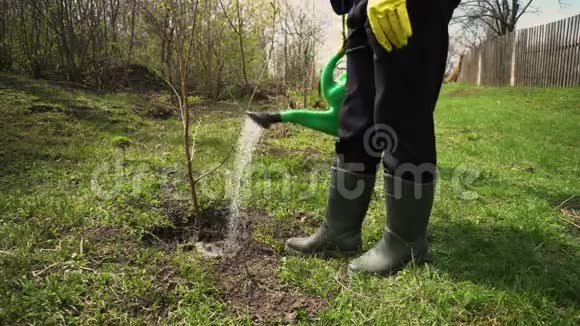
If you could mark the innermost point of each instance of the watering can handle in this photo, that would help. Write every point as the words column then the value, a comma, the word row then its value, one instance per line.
column 327, row 81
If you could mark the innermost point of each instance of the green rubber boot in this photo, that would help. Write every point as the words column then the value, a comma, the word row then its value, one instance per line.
column 340, row 233
column 404, row 240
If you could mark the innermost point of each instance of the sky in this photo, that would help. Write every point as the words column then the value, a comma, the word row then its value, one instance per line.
column 546, row 11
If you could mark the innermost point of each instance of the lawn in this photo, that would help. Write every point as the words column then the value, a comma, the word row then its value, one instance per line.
column 95, row 228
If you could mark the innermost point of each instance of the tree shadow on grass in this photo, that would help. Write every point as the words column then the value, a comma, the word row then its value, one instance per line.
column 524, row 260
column 556, row 199
column 36, row 131
column 47, row 91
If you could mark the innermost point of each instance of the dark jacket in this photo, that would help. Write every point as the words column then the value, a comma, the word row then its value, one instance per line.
column 341, row 7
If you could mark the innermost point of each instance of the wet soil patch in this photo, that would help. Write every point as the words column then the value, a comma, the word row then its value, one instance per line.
column 188, row 229
column 249, row 284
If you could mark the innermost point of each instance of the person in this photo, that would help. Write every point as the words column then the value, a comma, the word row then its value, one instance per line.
column 396, row 55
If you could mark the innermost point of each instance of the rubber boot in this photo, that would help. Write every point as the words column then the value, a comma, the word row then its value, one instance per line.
column 404, row 240
column 340, row 233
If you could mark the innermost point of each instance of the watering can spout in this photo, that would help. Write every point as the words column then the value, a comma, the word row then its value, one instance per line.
column 265, row 119
column 326, row 122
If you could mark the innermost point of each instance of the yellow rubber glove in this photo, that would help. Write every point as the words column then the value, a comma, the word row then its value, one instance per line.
column 390, row 22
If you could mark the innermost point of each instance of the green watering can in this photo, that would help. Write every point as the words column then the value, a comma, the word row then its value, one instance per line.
column 333, row 92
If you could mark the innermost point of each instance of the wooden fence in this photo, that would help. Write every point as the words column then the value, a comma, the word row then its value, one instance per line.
column 546, row 55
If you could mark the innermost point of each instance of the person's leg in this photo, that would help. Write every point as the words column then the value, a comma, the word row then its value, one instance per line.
column 408, row 82
column 357, row 114
column 354, row 173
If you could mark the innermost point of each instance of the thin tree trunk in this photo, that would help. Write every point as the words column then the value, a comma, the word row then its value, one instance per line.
column 185, row 118
column 131, row 42
column 241, row 41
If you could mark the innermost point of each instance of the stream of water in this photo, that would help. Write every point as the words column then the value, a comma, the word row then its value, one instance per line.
column 249, row 139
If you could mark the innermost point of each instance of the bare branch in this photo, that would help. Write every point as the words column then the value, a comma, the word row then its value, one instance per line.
column 194, row 140
column 176, row 94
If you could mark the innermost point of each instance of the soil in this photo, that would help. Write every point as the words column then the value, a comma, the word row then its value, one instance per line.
column 247, row 278
column 185, row 229
column 308, row 218
column 248, row 282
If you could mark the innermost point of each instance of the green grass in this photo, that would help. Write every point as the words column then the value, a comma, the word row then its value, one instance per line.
column 79, row 190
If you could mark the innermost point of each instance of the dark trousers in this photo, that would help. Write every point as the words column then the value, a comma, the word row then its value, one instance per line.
column 391, row 97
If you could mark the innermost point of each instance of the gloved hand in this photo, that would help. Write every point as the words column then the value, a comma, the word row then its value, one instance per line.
column 390, row 22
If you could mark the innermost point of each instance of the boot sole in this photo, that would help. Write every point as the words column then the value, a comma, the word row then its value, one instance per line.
column 321, row 254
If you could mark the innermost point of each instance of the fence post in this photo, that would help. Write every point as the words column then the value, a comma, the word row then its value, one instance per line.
column 479, row 69
column 544, row 55
column 514, row 41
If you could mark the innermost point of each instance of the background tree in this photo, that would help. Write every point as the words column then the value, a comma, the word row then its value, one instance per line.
column 211, row 49
column 499, row 16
